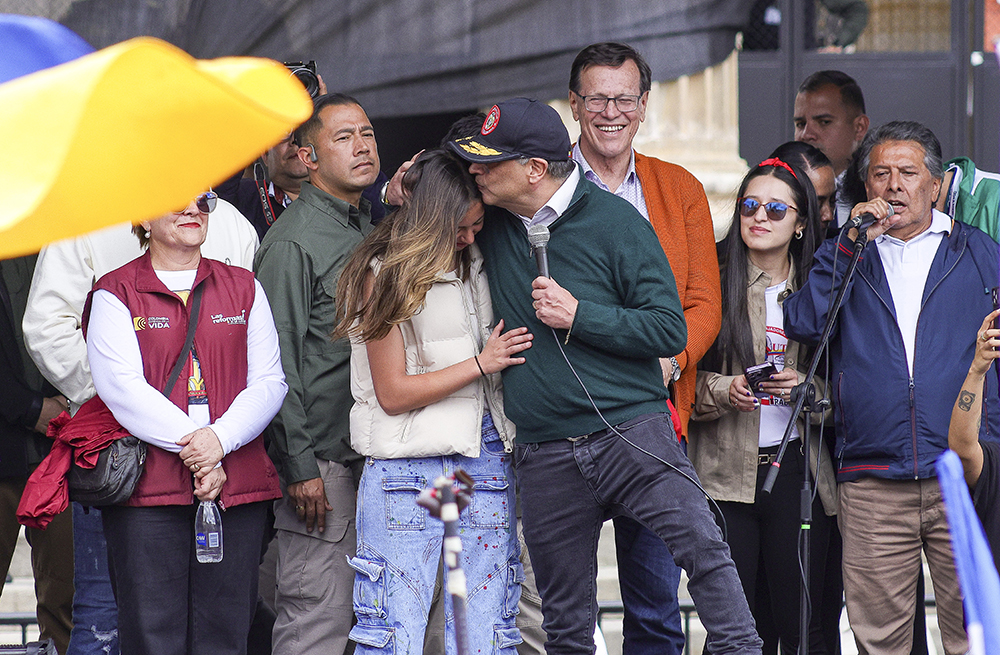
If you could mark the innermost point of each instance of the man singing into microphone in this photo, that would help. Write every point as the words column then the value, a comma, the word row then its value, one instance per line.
column 609, row 313
column 904, row 339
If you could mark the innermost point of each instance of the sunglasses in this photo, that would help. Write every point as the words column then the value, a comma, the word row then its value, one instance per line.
column 775, row 210
column 205, row 203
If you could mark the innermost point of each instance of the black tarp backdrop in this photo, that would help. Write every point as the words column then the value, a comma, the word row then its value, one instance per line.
column 407, row 58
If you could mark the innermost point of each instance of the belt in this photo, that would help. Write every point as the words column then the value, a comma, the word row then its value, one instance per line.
column 766, row 459
column 598, row 433
column 606, row 431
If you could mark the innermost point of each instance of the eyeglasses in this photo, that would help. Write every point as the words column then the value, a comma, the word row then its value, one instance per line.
column 597, row 104
column 205, row 203
column 775, row 210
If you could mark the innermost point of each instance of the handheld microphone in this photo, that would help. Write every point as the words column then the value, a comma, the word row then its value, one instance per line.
column 538, row 237
column 863, row 221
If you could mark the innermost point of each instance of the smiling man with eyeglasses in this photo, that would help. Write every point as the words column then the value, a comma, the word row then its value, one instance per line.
column 609, row 89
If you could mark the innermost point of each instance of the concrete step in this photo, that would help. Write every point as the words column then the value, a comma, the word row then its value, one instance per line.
column 18, row 595
column 607, row 589
column 20, row 564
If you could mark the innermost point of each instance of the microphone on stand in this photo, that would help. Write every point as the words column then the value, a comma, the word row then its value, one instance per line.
column 538, row 237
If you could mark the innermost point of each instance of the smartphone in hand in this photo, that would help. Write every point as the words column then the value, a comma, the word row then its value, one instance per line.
column 757, row 374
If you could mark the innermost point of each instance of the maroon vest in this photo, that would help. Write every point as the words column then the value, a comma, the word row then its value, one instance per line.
column 160, row 320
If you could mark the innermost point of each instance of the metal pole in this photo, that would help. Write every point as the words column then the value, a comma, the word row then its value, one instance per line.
column 804, row 397
column 445, row 500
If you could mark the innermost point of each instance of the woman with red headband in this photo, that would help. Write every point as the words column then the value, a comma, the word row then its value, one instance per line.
column 736, row 429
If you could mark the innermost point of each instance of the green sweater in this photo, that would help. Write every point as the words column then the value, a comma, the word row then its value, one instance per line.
column 603, row 252
column 298, row 264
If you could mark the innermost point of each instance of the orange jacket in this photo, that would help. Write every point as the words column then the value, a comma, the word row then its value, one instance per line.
column 678, row 211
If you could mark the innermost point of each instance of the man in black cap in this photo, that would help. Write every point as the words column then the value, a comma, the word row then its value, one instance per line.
column 610, row 312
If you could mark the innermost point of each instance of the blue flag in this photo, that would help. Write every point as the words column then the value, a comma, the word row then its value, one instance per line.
column 973, row 560
column 29, row 44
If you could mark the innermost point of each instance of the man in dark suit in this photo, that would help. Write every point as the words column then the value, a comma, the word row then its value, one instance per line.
column 27, row 404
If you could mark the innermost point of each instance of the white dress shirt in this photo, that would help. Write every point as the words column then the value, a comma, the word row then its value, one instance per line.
column 906, row 264
column 66, row 271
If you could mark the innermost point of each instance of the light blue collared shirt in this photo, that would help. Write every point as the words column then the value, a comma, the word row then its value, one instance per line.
column 630, row 189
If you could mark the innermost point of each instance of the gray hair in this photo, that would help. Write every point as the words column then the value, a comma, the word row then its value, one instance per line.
column 560, row 169
column 903, row 131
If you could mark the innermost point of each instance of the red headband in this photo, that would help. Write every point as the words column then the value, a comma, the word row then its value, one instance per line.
column 774, row 161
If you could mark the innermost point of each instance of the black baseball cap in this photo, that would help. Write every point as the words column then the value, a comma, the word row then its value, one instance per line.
column 515, row 128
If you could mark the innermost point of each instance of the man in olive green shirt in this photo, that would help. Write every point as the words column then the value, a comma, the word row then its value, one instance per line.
column 298, row 264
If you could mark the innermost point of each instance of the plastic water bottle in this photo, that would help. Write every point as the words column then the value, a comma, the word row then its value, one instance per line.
column 208, row 533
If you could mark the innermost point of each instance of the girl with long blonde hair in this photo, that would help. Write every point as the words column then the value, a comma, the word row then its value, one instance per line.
column 425, row 366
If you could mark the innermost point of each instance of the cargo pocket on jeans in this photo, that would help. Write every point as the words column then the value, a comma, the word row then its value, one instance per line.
column 515, row 576
column 369, row 589
column 489, row 507
column 372, row 636
column 505, row 639
column 369, row 606
column 401, row 509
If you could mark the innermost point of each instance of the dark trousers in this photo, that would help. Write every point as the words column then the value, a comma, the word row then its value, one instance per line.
column 168, row 602
column 567, row 489
column 648, row 579
column 833, row 592
column 51, row 562
column 763, row 538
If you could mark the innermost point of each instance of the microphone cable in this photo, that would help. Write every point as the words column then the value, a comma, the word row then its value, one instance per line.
column 714, row 506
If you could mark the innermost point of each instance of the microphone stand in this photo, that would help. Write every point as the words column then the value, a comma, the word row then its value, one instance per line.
column 445, row 500
column 804, row 396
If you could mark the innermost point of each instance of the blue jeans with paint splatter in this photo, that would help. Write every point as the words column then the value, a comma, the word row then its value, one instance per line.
column 399, row 550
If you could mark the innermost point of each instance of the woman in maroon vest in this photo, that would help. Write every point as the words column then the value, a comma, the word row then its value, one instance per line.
column 203, row 439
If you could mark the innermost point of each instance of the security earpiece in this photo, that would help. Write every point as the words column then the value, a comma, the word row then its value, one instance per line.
column 312, row 152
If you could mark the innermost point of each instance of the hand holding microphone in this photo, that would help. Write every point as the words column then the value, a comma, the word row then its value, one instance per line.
column 554, row 306
column 870, row 219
